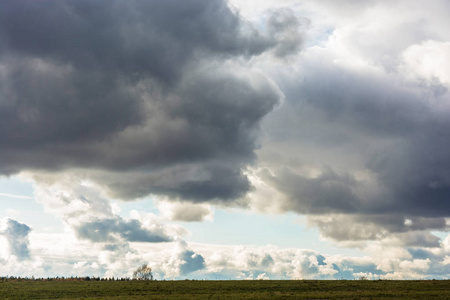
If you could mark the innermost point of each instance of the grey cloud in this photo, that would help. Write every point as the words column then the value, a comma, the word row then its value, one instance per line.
column 140, row 37
column 342, row 228
column 142, row 87
column 384, row 140
column 108, row 230
column 380, row 105
column 419, row 253
column 284, row 25
column 182, row 261
column 362, row 227
column 329, row 192
column 191, row 262
column 417, row 172
column 267, row 261
column 190, row 214
column 186, row 212
column 420, row 239
column 411, row 159
column 188, row 182
column 256, row 260
column 16, row 234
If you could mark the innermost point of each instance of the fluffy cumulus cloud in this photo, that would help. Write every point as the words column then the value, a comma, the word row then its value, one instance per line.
column 16, row 252
column 16, row 235
column 82, row 207
column 181, row 262
column 338, row 112
column 271, row 262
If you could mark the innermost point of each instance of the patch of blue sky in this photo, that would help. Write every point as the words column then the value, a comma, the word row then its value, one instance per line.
column 319, row 37
column 240, row 227
column 229, row 227
column 243, row 227
column 440, row 234
column 17, row 202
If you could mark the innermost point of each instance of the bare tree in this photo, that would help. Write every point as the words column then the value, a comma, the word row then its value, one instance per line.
column 144, row 272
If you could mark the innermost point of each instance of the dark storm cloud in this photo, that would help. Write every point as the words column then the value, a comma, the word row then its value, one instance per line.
column 386, row 142
column 194, row 183
column 137, row 37
column 414, row 165
column 136, row 85
column 418, row 170
column 330, row 192
column 16, row 234
column 108, row 230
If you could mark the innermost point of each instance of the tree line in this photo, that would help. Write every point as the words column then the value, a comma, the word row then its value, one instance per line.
column 62, row 278
column 143, row 272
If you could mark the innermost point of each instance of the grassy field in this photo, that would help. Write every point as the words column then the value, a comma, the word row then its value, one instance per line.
column 259, row 289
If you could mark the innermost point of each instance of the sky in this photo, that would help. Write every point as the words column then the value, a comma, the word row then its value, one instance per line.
column 214, row 139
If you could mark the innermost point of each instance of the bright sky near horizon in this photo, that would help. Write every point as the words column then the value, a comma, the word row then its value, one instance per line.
column 216, row 139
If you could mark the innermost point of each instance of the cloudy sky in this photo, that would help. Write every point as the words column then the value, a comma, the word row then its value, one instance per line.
column 214, row 139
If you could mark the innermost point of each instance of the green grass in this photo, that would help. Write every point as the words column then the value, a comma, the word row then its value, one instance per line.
column 259, row 289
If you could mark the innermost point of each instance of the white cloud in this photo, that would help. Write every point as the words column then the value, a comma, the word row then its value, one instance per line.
column 17, row 237
column 63, row 255
column 262, row 276
column 153, row 222
column 4, row 248
column 15, row 196
column 13, row 213
column 181, row 262
column 428, row 61
column 446, row 260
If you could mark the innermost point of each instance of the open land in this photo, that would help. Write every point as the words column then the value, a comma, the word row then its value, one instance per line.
column 199, row 289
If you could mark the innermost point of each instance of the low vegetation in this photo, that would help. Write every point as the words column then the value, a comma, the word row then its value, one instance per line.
column 77, row 288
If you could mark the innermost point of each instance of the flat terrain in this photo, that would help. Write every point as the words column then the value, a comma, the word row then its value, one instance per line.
column 259, row 289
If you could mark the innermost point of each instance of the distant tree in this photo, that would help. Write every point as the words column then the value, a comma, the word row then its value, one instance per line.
column 363, row 278
column 144, row 272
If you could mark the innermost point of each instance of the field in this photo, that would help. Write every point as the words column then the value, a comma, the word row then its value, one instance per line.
column 258, row 289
